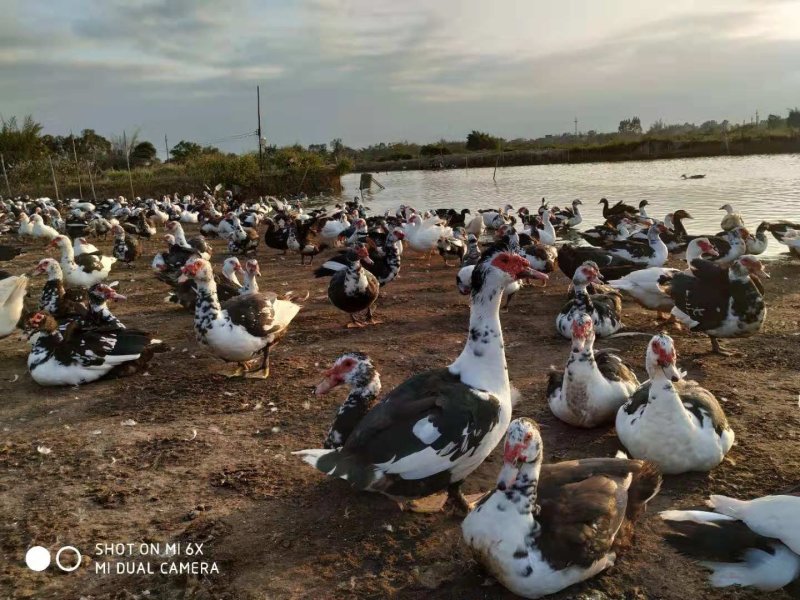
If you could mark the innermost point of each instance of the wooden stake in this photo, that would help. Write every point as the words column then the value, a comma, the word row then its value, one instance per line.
column 77, row 166
column 128, row 161
column 91, row 180
column 5, row 175
column 53, row 172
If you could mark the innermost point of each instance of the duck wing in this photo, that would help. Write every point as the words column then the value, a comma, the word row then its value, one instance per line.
column 254, row 312
column 702, row 404
column 613, row 368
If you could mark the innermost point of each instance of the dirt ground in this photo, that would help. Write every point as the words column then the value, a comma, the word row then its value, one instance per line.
column 182, row 454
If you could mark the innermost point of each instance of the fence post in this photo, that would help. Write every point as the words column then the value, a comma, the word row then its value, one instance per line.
column 77, row 166
column 5, row 175
column 91, row 180
column 53, row 172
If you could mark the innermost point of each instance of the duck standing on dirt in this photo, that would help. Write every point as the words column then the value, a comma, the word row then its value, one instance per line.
column 433, row 430
column 126, row 247
column 353, row 289
column 593, row 385
column 672, row 421
column 751, row 543
column 356, row 370
column 547, row 527
column 245, row 327
column 723, row 303
column 80, row 355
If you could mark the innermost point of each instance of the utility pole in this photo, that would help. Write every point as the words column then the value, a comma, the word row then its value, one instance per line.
column 77, row 166
column 757, row 120
column 5, row 175
column 260, row 149
column 128, row 162
column 166, row 147
column 576, row 126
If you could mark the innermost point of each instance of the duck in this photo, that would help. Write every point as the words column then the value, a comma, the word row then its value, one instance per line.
column 570, row 257
column 619, row 210
column 244, row 328
column 385, row 264
column 423, row 236
column 41, row 231
column 354, row 369
column 685, row 176
column 126, row 247
column 332, row 229
column 749, row 543
column 569, row 218
column 779, row 228
column 547, row 233
column 12, row 298
column 494, row 218
column 197, row 243
column 791, row 238
column 80, row 245
column 593, row 385
column 99, row 315
column 652, row 254
column 757, row 243
column 722, row 303
column 473, row 252
column 732, row 219
column 84, row 270
column 79, row 355
column 353, row 289
column 646, row 286
column 476, row 226
column 730, row 246
column 184, row 292
column 434, row 429
column 454, row 246
column 546, row 527
column 25, row 227
column 252, row 270
column 672, row 421
column 54, row 298
column 604, row 309
column 607, row 233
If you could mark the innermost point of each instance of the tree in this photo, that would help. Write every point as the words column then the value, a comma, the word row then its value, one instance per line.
column 143, row 153
column 793, row 120
column 183, row 151
column 630, row 126
column 336, row 146
column 434, row 150
column 478, row 140
column 318, row 148
column 21, row 142
column 774, row 121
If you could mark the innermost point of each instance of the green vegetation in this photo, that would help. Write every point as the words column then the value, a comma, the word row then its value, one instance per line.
column 28, row 156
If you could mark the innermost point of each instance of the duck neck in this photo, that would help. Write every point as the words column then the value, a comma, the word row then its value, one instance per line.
column 526, row 484
column 482, row 363
column 363, row 393
column 693, row 252
column 180, row 238
column 250, row 284
column 207, row 308
column 51, row 293
column 581, row 358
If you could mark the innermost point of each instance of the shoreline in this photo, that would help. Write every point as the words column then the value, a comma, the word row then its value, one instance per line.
column 639, row 150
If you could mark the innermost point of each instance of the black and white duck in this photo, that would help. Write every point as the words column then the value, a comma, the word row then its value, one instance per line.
column 618, row 210
column 80, row 355
column 547, row 527
column 757, row 243
column 99, row 314
column 749, row 543
column 722, row 303
column 54, row 298
column 184, row 291
column 84, row 270
column 778, row 229
column 454, row 246
column 433, row 430
column 244, row 328
column 672, row 421
column 570, row 257
column 355, row 370
column 353, row 289
column 568, row 218
column 654, row 253
column 197, row 243
column 730, row 246
column 647, row 286
column 604, row 309
column 593, row 385
column 276, row 237
column 126, row 247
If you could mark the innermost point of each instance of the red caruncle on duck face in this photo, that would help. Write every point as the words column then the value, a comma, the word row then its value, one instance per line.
column 512, row 264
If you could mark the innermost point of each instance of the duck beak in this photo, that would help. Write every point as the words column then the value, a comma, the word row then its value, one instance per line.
column 367, row 260
column 115, row 296
column 326, row 385
column 531, row 274
column 762, row 272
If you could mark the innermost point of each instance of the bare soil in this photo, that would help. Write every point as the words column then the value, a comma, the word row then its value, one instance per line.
column 181, row 453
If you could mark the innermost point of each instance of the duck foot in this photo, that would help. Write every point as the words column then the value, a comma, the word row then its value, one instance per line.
column 354, row 324
column 238, row 372
column 461, row 504
column 717, row 348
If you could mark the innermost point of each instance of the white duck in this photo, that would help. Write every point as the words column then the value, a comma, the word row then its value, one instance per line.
column 547, row 527
column 41, row 231
column 423, row 236
column 81, row 246
column 646, row 285
column 12, row 296
column 752, row 543
column 677, row 424
column 731, row 220
column 593, row 385
column 245, row 327
column 25, row 228
column 84, row 270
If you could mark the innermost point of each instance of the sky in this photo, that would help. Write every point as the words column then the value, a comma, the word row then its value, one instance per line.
column 373, row 70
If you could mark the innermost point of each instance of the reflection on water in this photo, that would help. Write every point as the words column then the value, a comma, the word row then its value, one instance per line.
column 759, row 187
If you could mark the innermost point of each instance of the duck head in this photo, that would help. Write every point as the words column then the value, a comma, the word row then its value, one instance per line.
column 231, row 266
column 41, row 321
column 662, row 359
column 587, row 273
column 197, row 269
column 706, row 247
column 727, row 208
column 523, row 445
column 362, row 254
column 252, row 267
column 353, row 368
column 582, row 333
column 748, row 265
column 48, row 266
column 101, row 292
column 60, row 242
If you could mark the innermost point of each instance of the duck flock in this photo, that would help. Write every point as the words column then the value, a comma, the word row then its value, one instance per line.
column 544, row 526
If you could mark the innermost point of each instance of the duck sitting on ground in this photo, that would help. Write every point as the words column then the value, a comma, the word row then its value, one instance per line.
column 197, row 243
column 244, row 328
column 433, row 430
column 723, row 303
column 672, row 421
column 81, row 356
column 12, row 298
column 751, row 543
column 791, row 238
column 84, row 270
column 355, row 370
column 547, row 527
column 611, row 267
column 604, row 309
column 54, row 298
column 593, row 385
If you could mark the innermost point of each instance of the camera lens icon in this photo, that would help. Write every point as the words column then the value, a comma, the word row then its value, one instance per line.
column 38, row 558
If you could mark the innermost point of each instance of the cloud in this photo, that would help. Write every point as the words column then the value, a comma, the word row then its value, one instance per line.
column 368, row 71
